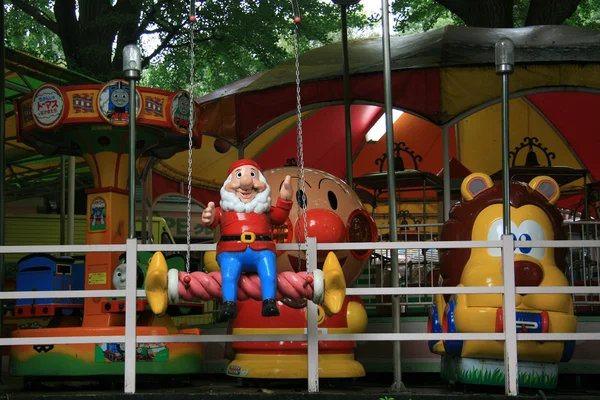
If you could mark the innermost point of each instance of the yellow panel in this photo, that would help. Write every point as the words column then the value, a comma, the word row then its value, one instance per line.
column 264, row 140
column 480, row 139
column 466, row 87
column 209, row 167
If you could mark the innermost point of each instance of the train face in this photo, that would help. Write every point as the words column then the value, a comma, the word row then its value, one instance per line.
column 45, row 272
column 480, row 217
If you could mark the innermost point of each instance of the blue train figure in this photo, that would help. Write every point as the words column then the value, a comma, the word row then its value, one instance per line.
column 44, row 272
column 118, row 102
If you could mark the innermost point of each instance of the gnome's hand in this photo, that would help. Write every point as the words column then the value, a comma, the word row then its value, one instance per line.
column 286, row 189
column 208, row 215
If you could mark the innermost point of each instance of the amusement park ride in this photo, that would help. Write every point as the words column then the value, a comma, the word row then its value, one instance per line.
column 92, row 121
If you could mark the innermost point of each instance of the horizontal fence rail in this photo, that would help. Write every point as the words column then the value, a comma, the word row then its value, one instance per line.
column 314, row 334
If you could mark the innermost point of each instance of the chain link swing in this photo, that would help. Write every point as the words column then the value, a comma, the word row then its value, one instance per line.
column 206, row 286
column 299, row 145
column 192, row 19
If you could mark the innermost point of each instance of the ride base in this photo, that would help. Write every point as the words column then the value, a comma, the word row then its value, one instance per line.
column 87, row 359
column 491, row 372
column 293, row 366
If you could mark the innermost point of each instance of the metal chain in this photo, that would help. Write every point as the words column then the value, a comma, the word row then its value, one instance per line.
column 190, row 136
column 300, row 150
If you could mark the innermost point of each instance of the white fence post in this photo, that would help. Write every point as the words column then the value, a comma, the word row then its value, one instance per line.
column 511, row 386
column 130, row 315
column 311, row 324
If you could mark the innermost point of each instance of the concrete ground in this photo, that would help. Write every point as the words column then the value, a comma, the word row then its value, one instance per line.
column 217, row 386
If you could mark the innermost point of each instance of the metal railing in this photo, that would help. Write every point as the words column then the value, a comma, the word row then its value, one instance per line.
column 416, row 267
column 130, row 339
column 583, row 265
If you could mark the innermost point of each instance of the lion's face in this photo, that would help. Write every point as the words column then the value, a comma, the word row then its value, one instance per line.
column 532, row 267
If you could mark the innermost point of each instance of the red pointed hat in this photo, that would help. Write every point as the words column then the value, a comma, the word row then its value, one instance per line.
column 241, row 163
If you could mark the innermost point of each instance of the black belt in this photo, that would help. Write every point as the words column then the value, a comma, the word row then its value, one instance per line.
column 246, row 238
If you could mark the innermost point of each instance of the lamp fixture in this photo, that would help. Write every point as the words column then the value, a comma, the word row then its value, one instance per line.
column 378, row 129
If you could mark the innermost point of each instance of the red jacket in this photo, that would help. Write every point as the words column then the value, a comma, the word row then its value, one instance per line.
column 234, row 224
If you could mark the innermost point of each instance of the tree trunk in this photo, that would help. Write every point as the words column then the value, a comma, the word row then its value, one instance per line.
column 87, row 42
column 482, row 13
column 550, row 12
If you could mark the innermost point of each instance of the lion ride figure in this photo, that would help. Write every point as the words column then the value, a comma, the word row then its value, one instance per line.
column 479, row 217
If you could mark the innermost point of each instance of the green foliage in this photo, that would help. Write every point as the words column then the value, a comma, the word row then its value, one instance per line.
column 420, row 16
column 587, row 15
column 29, row 37
column 232, row 38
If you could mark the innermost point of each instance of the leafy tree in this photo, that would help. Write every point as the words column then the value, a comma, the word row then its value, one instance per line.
column 233, row 38
column 423, row 15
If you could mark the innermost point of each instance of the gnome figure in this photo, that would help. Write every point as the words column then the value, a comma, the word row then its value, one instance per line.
column 245, row 217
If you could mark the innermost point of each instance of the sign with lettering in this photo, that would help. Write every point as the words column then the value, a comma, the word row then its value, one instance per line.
column 48, row 106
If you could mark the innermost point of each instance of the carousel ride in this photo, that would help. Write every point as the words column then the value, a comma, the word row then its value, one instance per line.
column 91, row 121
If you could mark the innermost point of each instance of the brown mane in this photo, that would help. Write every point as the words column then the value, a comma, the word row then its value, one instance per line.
column 462, row 217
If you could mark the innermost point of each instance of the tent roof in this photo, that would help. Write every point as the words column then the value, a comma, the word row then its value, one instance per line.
column 451, row 46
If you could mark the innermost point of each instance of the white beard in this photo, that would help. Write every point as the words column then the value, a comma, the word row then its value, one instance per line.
column 260, row 204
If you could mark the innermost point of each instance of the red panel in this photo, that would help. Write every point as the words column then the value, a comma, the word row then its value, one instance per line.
column 417, row 90
column 575, row 116
column 324, row 139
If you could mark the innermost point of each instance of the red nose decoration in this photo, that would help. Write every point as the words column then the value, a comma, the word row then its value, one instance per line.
column 325, row 225
column 528, row 273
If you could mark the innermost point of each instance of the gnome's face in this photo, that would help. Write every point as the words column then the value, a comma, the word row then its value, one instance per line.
column 245, row 183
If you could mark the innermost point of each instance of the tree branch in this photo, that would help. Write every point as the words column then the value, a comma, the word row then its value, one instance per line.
column 550, row 12
column 36, row 14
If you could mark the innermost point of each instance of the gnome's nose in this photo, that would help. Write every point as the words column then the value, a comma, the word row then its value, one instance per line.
column 324, row 225
column 246, row 182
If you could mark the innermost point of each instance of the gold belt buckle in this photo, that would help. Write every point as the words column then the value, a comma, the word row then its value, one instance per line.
column 248, row 237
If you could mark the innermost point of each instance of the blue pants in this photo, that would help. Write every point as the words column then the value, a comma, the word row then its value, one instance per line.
column 232, row 265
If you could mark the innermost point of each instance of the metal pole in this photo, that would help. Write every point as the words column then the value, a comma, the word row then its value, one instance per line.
column 446, row 155
column 505, row 150
column 62, row 198
column 132, row 112
column 389, row 123
column 143, row 207
column 2, row 179
column 505, row 50
column 349, row 169
column 71, row 202
column 132, row 67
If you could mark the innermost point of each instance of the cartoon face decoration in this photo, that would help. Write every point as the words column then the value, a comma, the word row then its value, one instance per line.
column 334, row 214
column 119, row 277
column 120, row 98
column 533, row 217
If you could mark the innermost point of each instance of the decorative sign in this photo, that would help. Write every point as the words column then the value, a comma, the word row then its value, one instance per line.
column 48, row 106
column 98, row 214
column 113, row 102
column 144, row 352
column 180, row 111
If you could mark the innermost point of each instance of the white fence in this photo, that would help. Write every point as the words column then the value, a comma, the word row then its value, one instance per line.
column 312, row 336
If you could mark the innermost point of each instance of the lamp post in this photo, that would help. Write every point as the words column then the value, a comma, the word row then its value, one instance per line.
column 132, row 66
column 344, row 6
column 505, row 65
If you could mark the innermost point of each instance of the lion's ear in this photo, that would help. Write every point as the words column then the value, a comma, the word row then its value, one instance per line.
column 474, row 184
column 547, row 187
